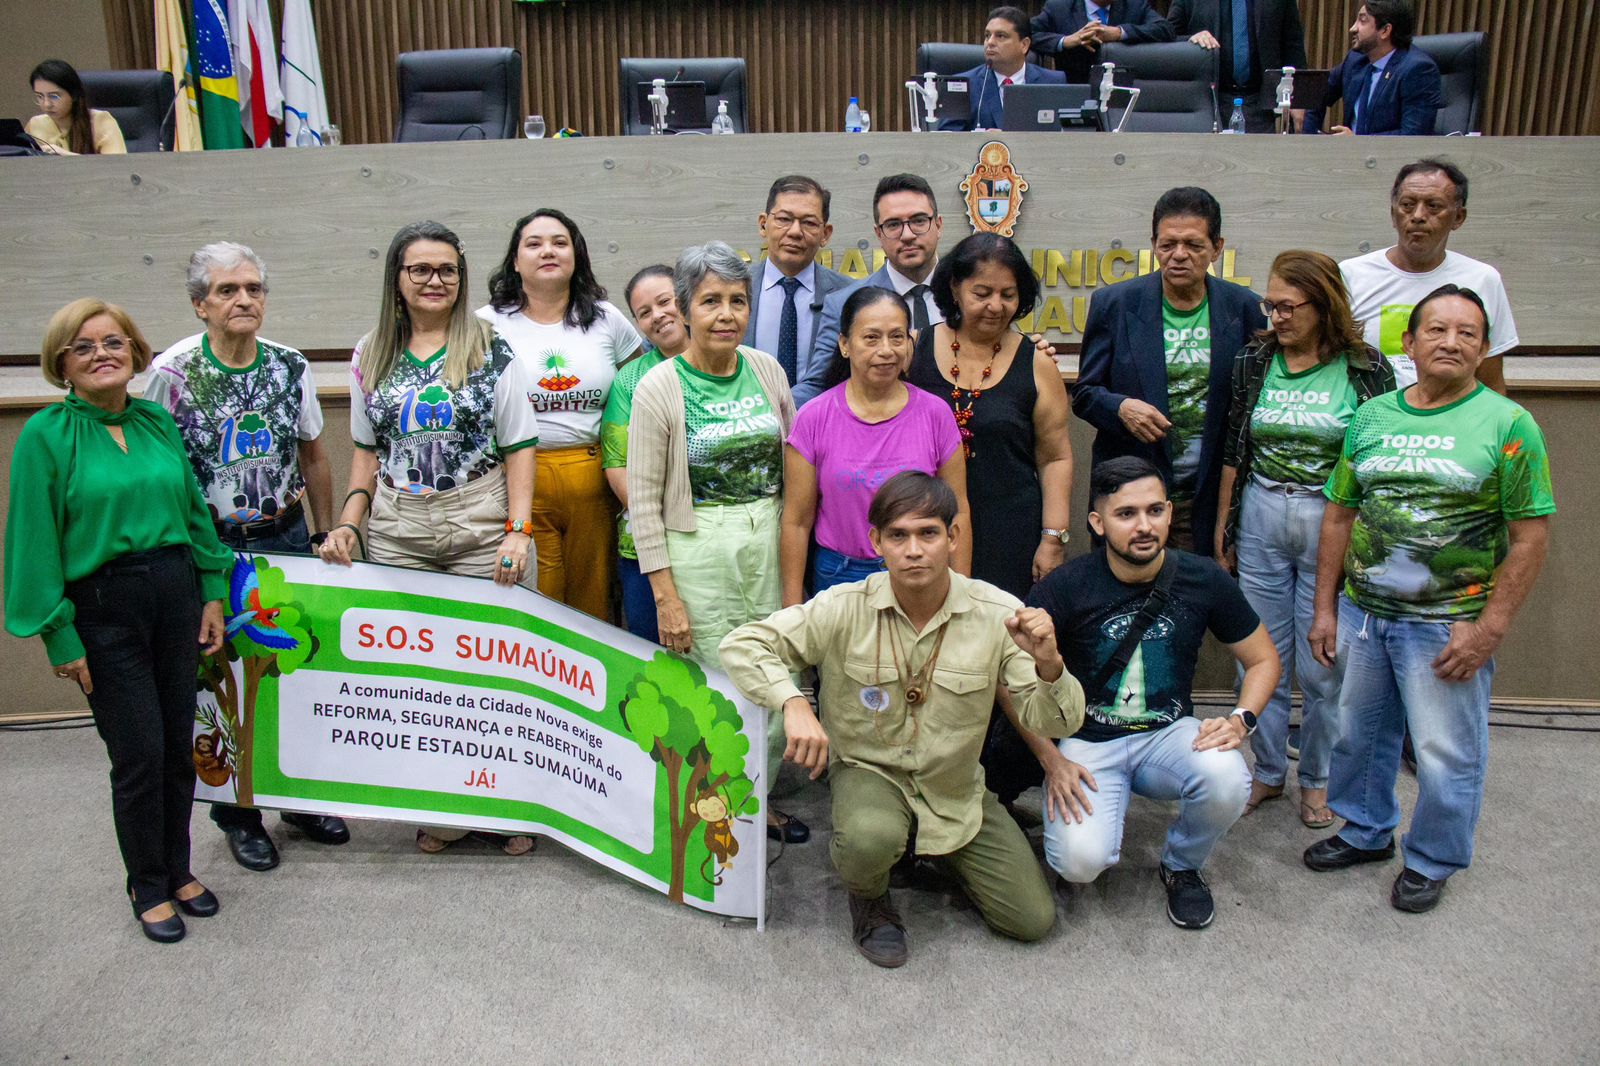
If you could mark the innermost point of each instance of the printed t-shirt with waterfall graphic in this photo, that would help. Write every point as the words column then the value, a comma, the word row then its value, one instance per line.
column 572, row 369
column 1434, row 490
column 734, row 437
column 241, row 426
column 431, row 438
column 1186, row 337
column 1093, row 610
column 614, row 432
column 1297, row 428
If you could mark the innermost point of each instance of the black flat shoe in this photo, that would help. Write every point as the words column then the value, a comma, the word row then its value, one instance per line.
column 205, row 905
column 252, row 848
column 1415, row 893
column 166, row 931
column 321, row 828
column 1334, row 853
column 789, row 829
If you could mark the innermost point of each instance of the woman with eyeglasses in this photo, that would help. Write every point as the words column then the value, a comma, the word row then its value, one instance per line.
column 444, row 433
column 547, row 304
column 68, row 125
column 125, row 594
column 1295, row 388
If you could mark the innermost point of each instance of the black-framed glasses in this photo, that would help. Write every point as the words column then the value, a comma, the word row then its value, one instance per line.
column 1287, row 308
column 420, row 273
column 917, row 224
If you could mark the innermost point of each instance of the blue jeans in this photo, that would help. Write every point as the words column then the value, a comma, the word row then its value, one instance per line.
column 1211, row 788
column 1387, row 685
column 638, row 601
column 1278, row 535
column 830, row 568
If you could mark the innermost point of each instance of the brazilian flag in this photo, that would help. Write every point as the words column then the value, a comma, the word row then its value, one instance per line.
column 212, row 54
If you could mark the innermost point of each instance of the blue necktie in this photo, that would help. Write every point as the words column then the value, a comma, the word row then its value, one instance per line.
column 1103, row 17
column 1241, row 42
column 789, row 331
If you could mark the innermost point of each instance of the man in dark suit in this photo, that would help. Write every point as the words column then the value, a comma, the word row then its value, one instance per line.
column 1272, row 36
column 791, row 286
column 1007, row 37
column 1066, row 29
column 906, row 218
column 1387, row 86
column 1157, row 362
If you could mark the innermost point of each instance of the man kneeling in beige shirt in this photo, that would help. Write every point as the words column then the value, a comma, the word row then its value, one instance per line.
column 909, row 661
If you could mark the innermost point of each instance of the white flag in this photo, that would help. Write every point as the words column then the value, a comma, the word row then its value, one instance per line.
column 304, row 103
column 255, row 60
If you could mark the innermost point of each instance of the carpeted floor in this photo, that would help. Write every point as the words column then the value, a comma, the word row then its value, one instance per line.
column 374, row 953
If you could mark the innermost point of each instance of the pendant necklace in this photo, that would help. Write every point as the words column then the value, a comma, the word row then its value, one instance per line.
column 964, row 414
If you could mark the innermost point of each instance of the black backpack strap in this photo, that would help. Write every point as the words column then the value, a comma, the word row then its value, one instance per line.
column 1153, row 606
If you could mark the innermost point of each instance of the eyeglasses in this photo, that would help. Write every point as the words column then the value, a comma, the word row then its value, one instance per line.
column 1286, row 308
column 917, row 224
column 419, row 273
column 809, row 224
column 85, row 349
column 50, row 98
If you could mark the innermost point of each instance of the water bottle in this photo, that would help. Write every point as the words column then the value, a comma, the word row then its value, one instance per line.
column 852, row 116
column 305, row 138
column 1236, row 123
column 722, row 123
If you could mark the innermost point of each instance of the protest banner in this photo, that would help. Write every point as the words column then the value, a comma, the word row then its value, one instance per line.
column 380, row 692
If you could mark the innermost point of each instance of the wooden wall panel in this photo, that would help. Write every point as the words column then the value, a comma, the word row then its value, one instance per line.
column 807, row 56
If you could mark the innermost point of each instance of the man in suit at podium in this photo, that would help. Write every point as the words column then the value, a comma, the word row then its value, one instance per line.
column 1067, row 30
column 791, row 286
column 1387, row 86
column 1006, row 39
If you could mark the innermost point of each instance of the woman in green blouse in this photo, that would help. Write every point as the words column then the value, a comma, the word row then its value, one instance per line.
column 116, row 590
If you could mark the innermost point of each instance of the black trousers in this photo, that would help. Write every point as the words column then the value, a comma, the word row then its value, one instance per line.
column 138, row 617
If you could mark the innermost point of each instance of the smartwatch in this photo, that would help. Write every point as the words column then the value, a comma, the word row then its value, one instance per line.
column 1249, row 718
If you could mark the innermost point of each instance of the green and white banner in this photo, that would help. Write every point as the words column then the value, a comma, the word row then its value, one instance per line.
column 381, row 692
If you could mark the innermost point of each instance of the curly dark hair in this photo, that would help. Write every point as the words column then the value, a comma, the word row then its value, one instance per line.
column 584, row 293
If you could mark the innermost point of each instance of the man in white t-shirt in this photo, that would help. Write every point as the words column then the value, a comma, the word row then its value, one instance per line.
column 1426, row 205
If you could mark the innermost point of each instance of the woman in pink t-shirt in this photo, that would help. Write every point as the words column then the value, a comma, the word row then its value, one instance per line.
column 869, row 426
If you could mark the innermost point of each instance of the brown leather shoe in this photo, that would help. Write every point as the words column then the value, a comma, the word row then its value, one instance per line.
column 878, row 932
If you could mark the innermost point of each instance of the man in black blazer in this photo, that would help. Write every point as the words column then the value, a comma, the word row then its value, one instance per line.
column 1157, row 362
column 1007, row 38
column 1066, row 30
column 1274, row 37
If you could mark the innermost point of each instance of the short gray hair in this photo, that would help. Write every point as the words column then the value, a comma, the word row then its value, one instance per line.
column 220, row 255
column 699, row 261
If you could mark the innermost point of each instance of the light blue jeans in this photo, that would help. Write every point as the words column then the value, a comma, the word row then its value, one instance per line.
column 1387, row 685
column 1211, row 788
column 830, row 568
column 1278, row 536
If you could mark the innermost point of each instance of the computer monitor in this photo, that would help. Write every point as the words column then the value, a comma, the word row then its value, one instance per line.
column 1310, row 88
column 955, row 99
column 686, row 105
column 1049, row 107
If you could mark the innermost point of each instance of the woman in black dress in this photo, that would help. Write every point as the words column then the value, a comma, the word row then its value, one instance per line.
column 1012, row 408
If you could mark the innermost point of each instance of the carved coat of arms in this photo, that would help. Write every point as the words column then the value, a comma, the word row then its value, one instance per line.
column 993, row 191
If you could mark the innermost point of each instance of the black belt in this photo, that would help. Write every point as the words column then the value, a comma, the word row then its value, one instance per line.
column 243, row 532
column 133, row 563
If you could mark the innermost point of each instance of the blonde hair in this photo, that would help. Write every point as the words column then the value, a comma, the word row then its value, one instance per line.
column 467, row 339
column 65, row 325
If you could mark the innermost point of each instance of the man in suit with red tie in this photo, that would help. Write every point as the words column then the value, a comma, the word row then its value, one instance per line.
column 1007, row 37
column 1067, row 30
column 1387, row 86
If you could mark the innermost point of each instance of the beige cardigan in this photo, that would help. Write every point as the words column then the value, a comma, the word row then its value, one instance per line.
column 658, row 453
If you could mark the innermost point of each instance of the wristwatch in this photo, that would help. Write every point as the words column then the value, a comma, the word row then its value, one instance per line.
column 1249, row 718
column 1060, row 534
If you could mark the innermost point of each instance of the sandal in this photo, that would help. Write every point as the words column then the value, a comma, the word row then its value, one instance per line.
column 1257, row 800
column 513, row 846
column 1313, row 816
column 430, row 844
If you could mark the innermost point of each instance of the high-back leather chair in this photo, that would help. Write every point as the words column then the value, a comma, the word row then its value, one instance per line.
column 1464, row 73
column 947, row 58
column 140, row 101
column 725, row 80
column 460, row 94
column 1174, row 81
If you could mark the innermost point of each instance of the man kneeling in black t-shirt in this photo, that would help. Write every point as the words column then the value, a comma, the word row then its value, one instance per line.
column 1129, row 620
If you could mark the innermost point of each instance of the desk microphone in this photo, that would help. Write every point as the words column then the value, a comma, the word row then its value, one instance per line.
column 679, row 76
column 977, row 112
column 161, row 130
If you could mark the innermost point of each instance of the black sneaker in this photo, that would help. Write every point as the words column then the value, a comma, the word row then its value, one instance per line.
column 1188, row 898
column 1415, row 893
column 1334, row 853
column 877, row 931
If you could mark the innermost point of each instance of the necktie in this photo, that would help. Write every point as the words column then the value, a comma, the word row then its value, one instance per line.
column 1103, row 17
column 789, row 331
column 1241, row 42
column 1005, row 83
column 919, row 306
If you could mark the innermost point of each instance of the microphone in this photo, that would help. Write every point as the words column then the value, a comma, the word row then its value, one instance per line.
column 977, row 111
column 1216, row 116
column 161, row 130
column 679, row 76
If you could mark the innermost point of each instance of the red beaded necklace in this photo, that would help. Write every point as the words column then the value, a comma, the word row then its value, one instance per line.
column 964, row 414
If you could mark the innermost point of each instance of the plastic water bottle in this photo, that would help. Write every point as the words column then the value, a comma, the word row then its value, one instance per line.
column 1236, row 123
column 305, row 138
column 852, row 116
column 722, row 123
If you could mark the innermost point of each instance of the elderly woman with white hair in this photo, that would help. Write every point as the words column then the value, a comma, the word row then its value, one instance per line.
column 247, row 411
column 705, row 469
